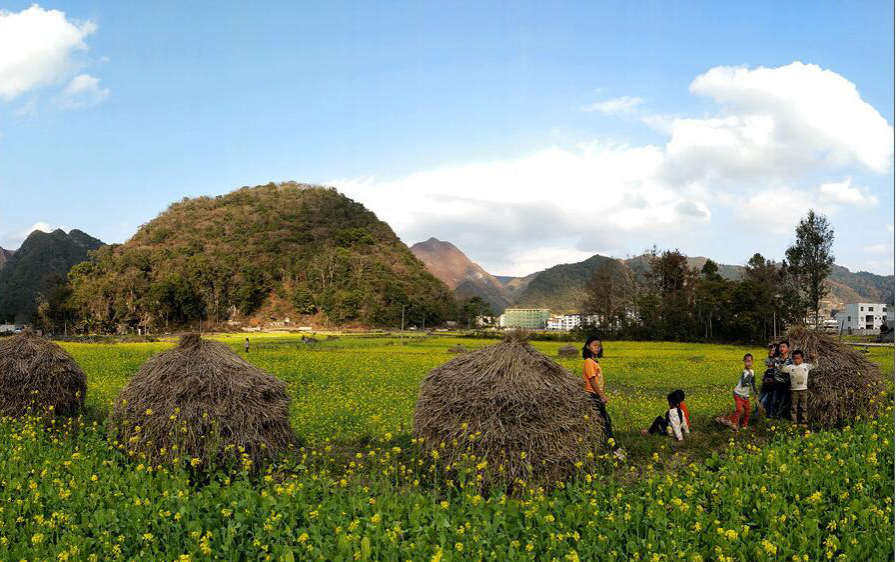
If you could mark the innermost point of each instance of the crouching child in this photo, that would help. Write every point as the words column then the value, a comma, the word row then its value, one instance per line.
column 674, row 423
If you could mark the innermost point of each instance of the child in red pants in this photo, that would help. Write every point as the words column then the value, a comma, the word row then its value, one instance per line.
column 742, row 394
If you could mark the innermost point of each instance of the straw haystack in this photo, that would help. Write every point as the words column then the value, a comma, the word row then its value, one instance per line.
column 39, row 377
column 512, row 406
column 458, row 349
column 845, row 384
column 201, row 400
column 568, row 351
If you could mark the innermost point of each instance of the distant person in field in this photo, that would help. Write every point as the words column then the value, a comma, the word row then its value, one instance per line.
column 781, row 400
column 767, row 390
column 799, row 387
column 247, row 345
column 674, row 423
column 745, row 383
column 679, row 397
column 594, row 386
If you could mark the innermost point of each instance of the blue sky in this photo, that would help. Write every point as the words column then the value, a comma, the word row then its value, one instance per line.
column 479, row 123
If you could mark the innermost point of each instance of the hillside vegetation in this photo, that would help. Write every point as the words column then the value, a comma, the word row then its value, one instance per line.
column 224, row 257
column 563, row 288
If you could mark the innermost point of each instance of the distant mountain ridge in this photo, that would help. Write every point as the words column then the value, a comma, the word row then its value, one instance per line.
column 37, row 268
column 4, row 256
column 460, row 274
column 562, row 288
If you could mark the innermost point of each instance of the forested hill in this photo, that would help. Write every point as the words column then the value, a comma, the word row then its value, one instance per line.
column 563, row 287
column 38, row 269
column 294, row 248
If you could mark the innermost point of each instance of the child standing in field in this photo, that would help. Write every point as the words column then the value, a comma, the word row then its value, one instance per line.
column 674, row 423
column 767, row 390
column 247, row 345
column 781, row 400
column 746, row 382
column 799, row 387
column 594, row 386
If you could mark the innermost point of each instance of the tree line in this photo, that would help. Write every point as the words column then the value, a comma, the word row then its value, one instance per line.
column 675, row 302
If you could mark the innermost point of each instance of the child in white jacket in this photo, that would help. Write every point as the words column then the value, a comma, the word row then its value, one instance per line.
column 674, row 424
column 799, row 386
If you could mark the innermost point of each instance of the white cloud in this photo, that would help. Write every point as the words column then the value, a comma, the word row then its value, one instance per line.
column 625, row 104
column 782, row 128
column 881, row 267
column 761, row 208
column 12, row 240
column 587, row 197
column 778, row 122
column 42, row 226
column 877, row 249
column 843, row 193
column 37, row 49
column 27, row 109
column 83, row 90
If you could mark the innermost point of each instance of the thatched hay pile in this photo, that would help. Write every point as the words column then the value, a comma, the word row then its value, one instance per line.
column 512, row 406
column 568, row 351
column 201, row 400
column 38, row 377
column 458, row 349
column 845, row 384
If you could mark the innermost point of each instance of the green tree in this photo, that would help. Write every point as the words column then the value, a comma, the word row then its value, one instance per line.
column 810, row 258
column 710, row 270
column 470, row 309
column 302, row 299
column 712, row 299
column 608, row 297
column 758, row 297
column 675, row 283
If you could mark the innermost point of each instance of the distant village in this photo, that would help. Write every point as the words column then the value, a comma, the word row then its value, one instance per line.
column 859, row 318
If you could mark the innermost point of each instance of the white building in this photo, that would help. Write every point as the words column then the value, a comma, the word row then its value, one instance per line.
column 862, row 317
column 568, row 322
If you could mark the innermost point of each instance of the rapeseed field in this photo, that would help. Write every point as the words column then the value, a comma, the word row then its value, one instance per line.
column 358, row 488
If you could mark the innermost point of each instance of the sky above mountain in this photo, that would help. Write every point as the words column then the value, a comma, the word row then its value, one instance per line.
column 526, row 135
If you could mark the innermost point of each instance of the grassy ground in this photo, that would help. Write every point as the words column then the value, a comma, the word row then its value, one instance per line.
column 354, row 388
column 361, row 490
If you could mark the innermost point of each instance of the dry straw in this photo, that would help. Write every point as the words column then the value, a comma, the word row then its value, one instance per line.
column 512, row 406
column 39, row 377
column 568, row 351
column 843, row 385
column 200, row 400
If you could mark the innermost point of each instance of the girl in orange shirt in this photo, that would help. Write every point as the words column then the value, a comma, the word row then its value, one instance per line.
column 594, row 386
